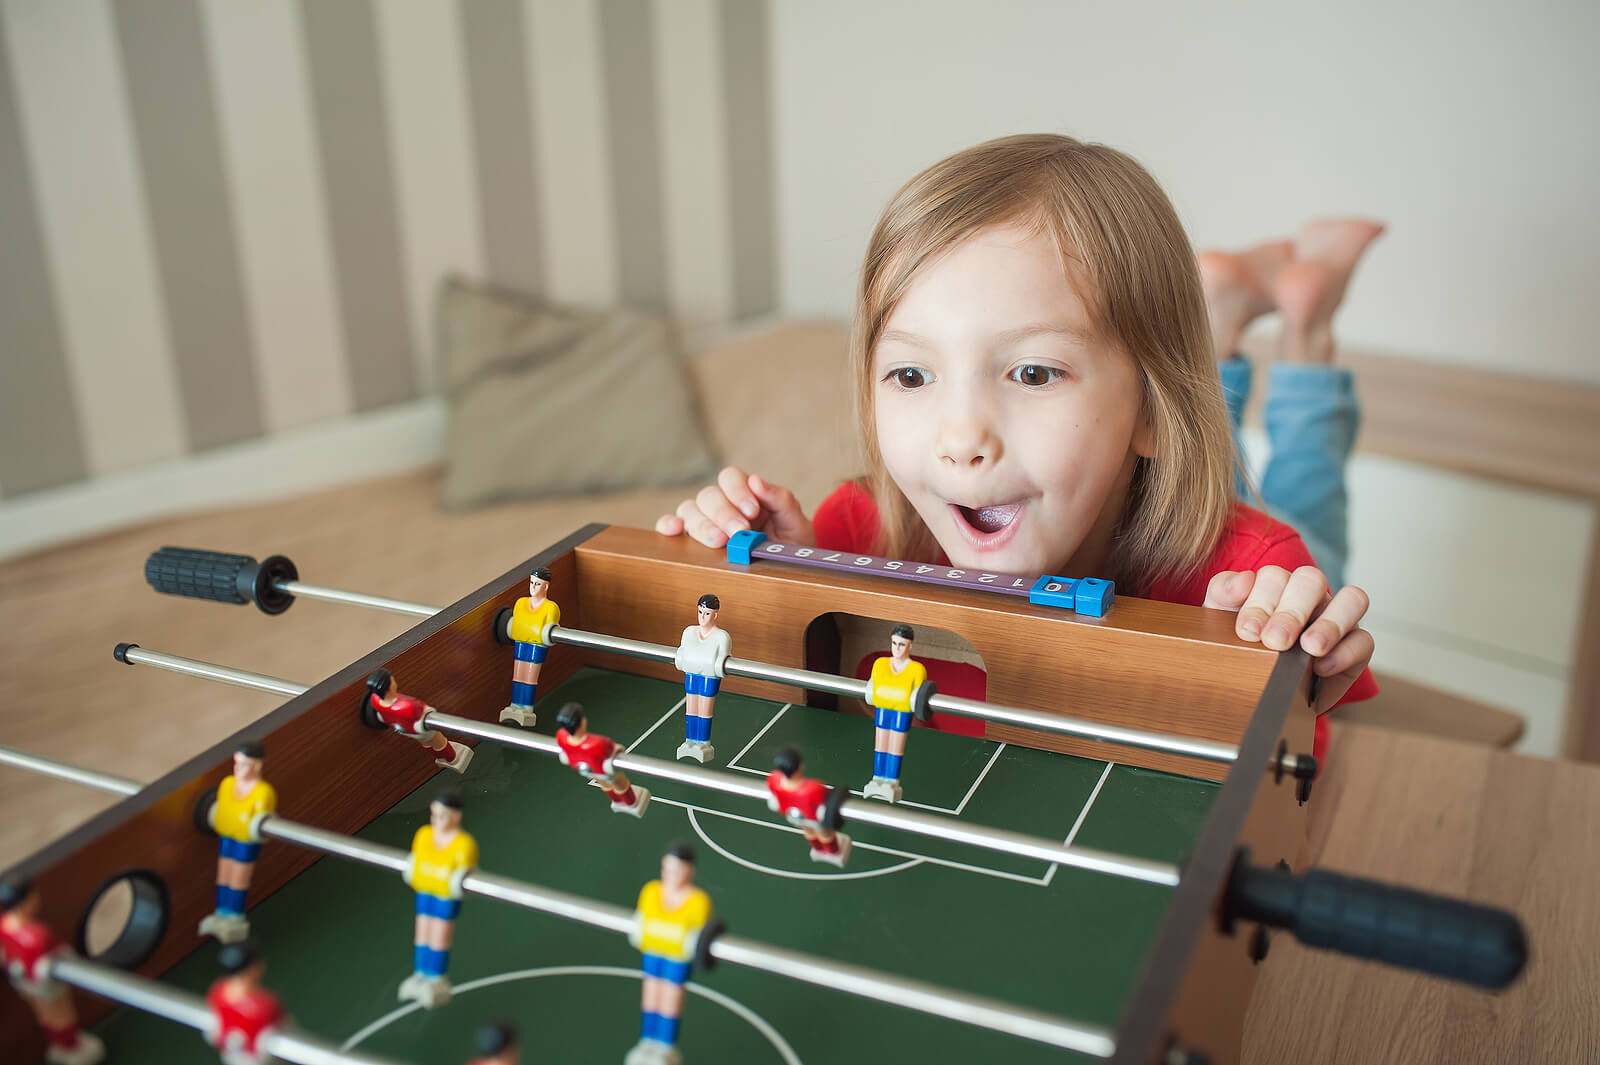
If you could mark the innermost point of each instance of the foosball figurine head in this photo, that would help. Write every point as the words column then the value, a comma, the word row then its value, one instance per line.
column 18, row 898
column 788, row 762
column 379, row 683
column 539, row 584
column 900, row 641
column 497, row 1045
column 677, row 866
column 706, row 610
column 444, row 812
column 241, row 962
column 248, row 760
column 574, row 720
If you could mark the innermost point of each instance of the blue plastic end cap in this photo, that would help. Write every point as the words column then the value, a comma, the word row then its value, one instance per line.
column 740, row 544
column 1053, row 591
column 1094, row 596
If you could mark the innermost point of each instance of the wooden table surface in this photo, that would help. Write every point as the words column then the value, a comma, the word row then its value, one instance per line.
column 1523, row 833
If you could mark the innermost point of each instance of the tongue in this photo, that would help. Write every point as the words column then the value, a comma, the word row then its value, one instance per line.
column 992, row 519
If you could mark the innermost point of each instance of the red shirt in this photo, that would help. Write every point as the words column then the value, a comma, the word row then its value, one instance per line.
column 588, row 755
column 242, row 1016
column 405, row 713
column 23, row 945
column 803, row 800
column 848, row 521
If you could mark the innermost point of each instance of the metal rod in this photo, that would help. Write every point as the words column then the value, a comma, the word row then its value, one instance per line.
column 995, row 839
column 191, row 1011
column 804, row 678
column 871, row 813
column 339, row 595
column 867, row 983
column 916, row 995
column 226, row 674
column 62, row 771
column 837, row 976
column 829, row 682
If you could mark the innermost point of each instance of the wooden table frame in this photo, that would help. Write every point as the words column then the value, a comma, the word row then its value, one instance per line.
column 1150, row 665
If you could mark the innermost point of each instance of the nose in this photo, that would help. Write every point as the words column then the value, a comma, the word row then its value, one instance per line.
column 967, row 442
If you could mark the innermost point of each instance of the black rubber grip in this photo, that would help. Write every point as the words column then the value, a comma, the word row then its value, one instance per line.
column 221, row 577
column 1480, row 945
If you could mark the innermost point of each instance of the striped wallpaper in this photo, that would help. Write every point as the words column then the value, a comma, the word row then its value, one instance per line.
column 223, row 219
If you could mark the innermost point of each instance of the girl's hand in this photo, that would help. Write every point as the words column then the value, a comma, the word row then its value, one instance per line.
column 739, row 501
column 1277, row 608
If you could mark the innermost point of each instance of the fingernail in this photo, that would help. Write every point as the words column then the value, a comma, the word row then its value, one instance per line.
column 1250, row 627
column 737, row 525
column 1316, row 643
column 749, row 507
column 1276, row 634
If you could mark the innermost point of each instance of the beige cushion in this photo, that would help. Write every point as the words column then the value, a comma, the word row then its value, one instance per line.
column 777, row 401
column 546, row 400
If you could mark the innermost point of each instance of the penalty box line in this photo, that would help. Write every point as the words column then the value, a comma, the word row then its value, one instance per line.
column 982, row 870
column 960, row 806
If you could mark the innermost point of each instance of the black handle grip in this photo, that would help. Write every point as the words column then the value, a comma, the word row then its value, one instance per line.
column 221, row 577
column 1446, row 937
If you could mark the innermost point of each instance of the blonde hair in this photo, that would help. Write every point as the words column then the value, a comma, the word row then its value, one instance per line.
column 1125, row 251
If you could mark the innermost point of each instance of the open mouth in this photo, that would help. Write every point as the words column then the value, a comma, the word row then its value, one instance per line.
column 988, row 527
column 991, row 519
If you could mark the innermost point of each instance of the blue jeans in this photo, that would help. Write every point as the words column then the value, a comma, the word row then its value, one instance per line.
column 1311, row 419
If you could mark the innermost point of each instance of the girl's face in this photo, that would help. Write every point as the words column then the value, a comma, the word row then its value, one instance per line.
column 1010, row 425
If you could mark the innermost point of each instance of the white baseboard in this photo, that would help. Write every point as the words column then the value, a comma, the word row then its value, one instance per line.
column 397, row 439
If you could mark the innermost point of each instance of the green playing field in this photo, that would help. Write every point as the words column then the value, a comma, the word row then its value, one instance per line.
column 338, row 938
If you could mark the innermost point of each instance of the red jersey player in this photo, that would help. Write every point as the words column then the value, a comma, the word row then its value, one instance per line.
column 26, row 946
column 404, row 714
column 497, row 1045
column 801, row 800
column 591, row 755
column 243, row 1013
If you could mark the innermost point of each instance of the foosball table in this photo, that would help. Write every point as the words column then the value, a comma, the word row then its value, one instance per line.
column 1094, row 874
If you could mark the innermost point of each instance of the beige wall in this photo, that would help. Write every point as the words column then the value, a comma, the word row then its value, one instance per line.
column 1470, row 127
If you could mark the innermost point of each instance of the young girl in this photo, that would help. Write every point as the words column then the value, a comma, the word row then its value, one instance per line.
column 1037, row 395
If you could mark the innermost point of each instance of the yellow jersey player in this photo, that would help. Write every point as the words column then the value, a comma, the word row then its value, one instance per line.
column 671, row 915
column 244, row 800
column 442, row 855
column 532, row 618
column 892, row 693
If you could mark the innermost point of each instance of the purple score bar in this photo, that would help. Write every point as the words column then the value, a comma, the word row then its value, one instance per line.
column 1089, row 595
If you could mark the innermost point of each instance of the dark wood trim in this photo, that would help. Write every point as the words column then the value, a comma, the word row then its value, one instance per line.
column 1196, row 982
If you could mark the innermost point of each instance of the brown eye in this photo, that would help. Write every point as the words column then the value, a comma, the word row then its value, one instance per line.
column 1034, row 375
column 908, row 377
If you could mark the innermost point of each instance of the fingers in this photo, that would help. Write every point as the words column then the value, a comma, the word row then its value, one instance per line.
column 786, row 521
column 1228, row 589
column 735, row 485
column 715, row 506
column 1340, row 668
column 699, row 527
column 1342, row 614
column 738, row 501
column 1280, row 605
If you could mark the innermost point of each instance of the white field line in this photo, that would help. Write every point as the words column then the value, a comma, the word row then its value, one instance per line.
column 1050, row 874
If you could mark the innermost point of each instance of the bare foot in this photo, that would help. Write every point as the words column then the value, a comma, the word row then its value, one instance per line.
column 1238, row 289
column 1309, row 290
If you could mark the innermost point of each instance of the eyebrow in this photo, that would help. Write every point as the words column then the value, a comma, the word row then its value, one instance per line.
column 1010, row 336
